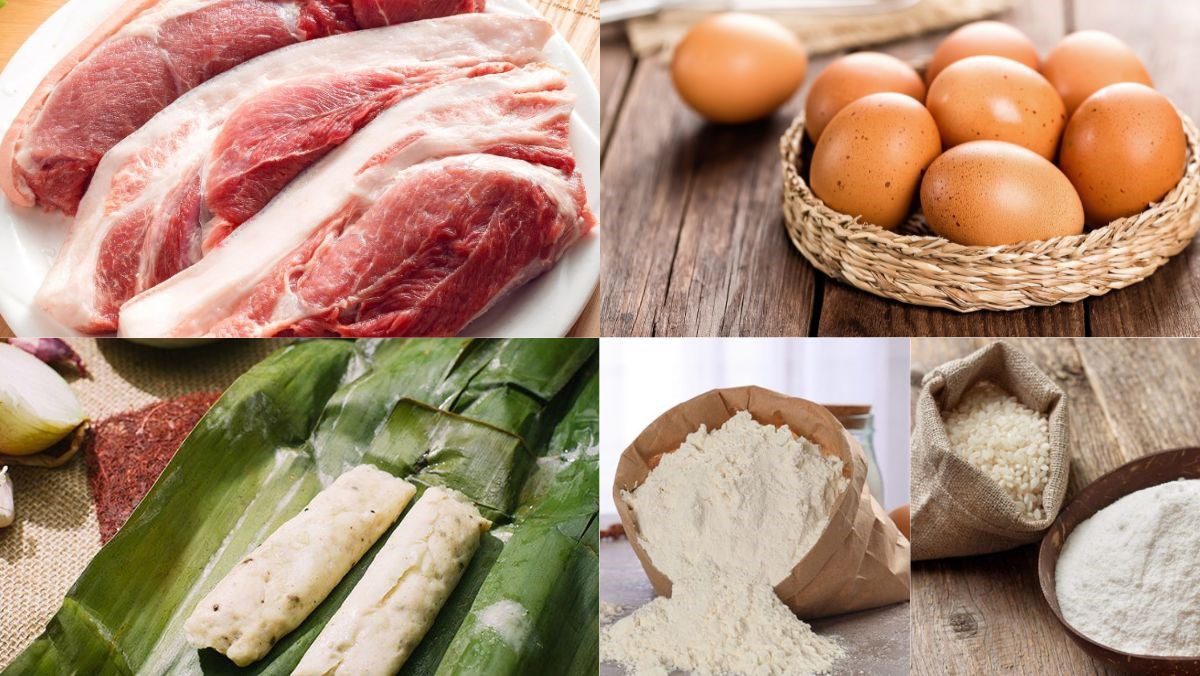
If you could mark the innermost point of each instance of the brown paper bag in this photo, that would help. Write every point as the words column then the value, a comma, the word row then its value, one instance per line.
column 859, row 562
column 957, row 510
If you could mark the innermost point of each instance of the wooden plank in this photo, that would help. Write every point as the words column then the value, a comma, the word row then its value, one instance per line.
column 986, row 614
column 847, row 311
column 645, row 183
column 616, row 67
column 975, row 616
column 736, row 272
column 1163, row 33
column 1149, row 390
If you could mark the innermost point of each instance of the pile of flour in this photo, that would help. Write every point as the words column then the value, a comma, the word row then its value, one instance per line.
column 1129, row 577
column 726, row 517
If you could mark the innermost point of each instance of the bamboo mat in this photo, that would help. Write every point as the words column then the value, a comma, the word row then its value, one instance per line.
column 579, row 23
column 56, row 534
column 577, row 20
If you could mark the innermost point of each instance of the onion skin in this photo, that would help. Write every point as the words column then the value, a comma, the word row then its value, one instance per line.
column 37, row 407
column 53, row 351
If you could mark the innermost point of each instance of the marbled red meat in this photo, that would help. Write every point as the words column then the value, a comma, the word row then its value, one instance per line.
column 146, row 56
column 414, row 226
column 218, row 154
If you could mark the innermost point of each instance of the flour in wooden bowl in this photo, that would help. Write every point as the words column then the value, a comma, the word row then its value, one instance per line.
column 726, row 517
column 1129, row 578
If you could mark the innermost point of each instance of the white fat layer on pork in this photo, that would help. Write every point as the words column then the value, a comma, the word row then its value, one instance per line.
column 357, row 172
column 275, row 587
column 68, row 292
column 396, row 601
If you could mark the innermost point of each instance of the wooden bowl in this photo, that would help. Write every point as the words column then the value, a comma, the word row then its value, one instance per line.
column 1151, row 470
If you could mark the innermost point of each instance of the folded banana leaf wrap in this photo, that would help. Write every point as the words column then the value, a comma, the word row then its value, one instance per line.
column 512, row 424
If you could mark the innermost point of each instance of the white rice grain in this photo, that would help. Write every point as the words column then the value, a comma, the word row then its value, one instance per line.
column 1006, row 440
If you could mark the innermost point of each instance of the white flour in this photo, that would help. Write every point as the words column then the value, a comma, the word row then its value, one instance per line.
column 1129, row 576
column 726, row 517
column 610, row 611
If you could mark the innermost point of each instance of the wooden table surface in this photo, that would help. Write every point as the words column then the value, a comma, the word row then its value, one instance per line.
column 696, row 244
column 1126, row 398
column 577, row 20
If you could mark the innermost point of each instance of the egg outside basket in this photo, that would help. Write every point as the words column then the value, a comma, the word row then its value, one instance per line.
column 913, row 266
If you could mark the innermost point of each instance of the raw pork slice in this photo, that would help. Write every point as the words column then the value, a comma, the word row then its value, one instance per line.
column 415, row 226
column 147, row 55
column 276, row 135
column 244, row 135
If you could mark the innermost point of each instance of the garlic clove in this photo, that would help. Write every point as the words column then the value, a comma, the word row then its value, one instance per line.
column 7, row 508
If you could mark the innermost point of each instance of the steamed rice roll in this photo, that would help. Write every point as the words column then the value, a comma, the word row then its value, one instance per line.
column 271, row 591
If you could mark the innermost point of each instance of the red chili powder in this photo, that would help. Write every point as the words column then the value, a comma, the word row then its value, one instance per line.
column 128, row 451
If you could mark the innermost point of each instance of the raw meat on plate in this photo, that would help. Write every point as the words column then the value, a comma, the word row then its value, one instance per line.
column 175, row 187
column 144, row 57
column 274, row 136
column 415, row 226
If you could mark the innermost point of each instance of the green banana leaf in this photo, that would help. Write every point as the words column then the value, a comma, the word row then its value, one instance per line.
column 545, row 584
column 470, row 414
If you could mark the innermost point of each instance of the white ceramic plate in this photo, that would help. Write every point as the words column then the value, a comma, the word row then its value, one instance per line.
column 29, row 239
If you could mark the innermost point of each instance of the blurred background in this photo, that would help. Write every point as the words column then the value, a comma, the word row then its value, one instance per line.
column 640, row 378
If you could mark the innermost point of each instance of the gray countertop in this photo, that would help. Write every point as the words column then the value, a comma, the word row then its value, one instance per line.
column 876, row 641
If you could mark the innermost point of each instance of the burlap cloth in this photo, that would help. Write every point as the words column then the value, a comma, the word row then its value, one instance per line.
column 824, row 33
column 957, row 510
column 55, row 534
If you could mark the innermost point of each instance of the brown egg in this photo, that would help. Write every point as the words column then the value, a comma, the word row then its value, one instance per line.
column 1123, row 149
column 982, row 38
column 869, row 160
column 985, row 193
column 852, row 77
column 733, row 68
column 1085, row 62
column 901, row 517
column 989, row 97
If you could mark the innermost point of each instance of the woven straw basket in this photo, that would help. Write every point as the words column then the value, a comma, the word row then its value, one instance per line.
column 914, row 266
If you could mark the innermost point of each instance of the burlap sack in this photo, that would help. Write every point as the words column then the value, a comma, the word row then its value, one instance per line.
column 860, row 561
column 957, row 510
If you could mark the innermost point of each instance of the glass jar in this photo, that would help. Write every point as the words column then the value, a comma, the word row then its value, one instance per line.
column 860, row 423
